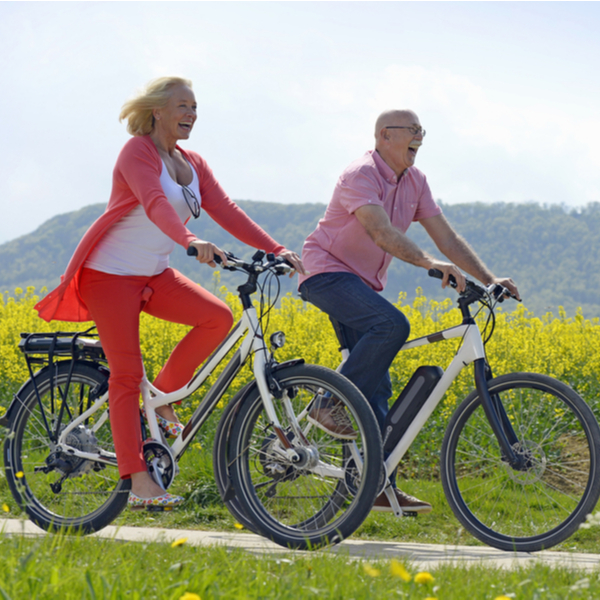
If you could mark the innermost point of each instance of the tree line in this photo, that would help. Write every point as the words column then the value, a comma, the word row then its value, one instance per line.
column 550, row 251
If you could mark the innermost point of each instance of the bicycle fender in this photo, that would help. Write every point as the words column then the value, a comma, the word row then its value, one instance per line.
column 232, row 409
column 13, row 408
column 249, row 387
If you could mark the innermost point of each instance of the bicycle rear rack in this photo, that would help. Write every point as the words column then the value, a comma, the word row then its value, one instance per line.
column 46, row 350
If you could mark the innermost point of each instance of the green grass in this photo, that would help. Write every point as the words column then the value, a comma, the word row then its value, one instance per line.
column 204, row 510
column 87, row 568
column 82, row 568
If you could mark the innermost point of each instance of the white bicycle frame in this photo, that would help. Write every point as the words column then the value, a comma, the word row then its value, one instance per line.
column 470, row 350
column 249, row 326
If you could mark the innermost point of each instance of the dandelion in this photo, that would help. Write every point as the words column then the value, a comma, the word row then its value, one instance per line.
column 20, row 475
column 6, row 507
column 190, row 596
column 238, row 526
column 424, row 577
column 502, row 598
column 398, row 570
column 370, row 571
column 179, row 542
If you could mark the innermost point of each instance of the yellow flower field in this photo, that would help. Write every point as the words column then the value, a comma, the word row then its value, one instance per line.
column 566, row 348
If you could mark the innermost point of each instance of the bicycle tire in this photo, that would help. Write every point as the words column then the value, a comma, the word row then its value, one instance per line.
column 303, row 505
column 545, row 502
column 91, row 495
column 221, row 462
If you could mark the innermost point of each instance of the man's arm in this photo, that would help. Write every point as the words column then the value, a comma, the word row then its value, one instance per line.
column 456, row 248
column 390, row 239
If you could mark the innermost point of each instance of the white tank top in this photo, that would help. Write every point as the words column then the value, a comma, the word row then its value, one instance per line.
column 135, row 245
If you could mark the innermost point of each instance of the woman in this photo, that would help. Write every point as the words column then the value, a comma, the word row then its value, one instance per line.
column 120, row 267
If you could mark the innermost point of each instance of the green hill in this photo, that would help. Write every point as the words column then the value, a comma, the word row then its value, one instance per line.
column 551, row 252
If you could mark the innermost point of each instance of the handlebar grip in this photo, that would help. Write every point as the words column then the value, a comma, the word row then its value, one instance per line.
column 192, row 251
column 437, row 274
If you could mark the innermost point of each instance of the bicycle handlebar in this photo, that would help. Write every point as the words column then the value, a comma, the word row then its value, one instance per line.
column 496, row 290
column 280, row 266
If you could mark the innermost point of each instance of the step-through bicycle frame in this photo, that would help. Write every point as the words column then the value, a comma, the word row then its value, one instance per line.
column 247, row 328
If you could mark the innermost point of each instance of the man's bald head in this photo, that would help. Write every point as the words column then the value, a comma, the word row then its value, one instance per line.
column 394, row 117
column 398, row 136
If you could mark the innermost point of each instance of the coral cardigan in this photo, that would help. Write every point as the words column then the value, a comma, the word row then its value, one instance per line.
column 136, row 180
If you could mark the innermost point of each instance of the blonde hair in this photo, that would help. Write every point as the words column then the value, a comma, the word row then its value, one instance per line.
column 138, row 111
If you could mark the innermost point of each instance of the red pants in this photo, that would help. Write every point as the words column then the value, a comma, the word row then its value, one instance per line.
column 115, row 303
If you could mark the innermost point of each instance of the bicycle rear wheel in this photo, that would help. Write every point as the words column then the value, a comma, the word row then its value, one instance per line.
column 542, row 504
column 58, row 491
column 324, row 496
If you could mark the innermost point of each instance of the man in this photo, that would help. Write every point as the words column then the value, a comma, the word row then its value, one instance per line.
column 347, row 257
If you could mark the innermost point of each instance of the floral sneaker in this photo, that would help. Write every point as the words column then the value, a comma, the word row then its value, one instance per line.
column 157, row 503
column 169, row 428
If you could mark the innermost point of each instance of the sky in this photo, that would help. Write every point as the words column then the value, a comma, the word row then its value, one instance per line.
column 288, row 94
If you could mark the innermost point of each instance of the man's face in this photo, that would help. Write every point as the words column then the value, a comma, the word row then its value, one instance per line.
column 403, row 143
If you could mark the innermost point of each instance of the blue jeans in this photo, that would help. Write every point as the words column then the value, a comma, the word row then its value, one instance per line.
column 373, row 327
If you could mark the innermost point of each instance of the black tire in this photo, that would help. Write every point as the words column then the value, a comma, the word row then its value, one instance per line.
column 221, row 461
column 292, row 504
column 545, row 502
column 91, row 495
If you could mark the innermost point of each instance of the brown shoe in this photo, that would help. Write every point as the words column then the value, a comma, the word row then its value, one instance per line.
column 407, row 503
column 332, row 419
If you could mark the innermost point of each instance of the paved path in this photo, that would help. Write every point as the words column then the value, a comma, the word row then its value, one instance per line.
column 422, row 556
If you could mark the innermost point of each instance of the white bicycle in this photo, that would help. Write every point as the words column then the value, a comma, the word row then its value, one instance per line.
column 278, row 475
column 520, row 457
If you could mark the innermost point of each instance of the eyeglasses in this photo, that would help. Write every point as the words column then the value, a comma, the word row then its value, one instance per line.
column 191, row 201
column 414, row 129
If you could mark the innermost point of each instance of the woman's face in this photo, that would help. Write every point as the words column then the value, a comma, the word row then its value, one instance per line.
column 177, row 118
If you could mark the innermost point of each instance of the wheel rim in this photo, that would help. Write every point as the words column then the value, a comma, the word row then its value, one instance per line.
column 301, row 498
column 550, row 490
column 71, row 491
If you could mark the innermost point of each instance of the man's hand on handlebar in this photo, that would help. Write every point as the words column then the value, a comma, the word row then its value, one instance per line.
column 449, row 269
column 294, row 260
column 207, row 252
column 509, row 284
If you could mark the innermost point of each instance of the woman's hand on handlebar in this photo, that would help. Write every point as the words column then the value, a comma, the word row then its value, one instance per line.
column 207, row 251
column 294, row 260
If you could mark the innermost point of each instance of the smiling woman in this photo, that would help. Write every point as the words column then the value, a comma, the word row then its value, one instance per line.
column 121, row 267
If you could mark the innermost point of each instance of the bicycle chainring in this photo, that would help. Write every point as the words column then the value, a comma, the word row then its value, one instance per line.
column 160, row 463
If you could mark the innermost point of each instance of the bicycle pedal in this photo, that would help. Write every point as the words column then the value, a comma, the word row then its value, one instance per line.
column 159, row 508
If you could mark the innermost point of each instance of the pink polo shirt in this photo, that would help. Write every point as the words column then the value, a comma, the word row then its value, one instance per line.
column 341, row 243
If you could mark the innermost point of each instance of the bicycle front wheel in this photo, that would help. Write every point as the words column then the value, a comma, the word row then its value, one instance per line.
column 323, row 494
column 58, row 491
column 544, row 501
column 221, row 460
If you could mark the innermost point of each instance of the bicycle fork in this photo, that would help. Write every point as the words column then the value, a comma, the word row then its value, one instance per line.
column 497, row 417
